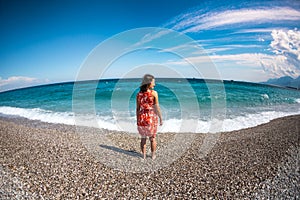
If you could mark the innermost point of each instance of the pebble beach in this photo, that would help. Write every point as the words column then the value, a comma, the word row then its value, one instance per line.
column 51, row 161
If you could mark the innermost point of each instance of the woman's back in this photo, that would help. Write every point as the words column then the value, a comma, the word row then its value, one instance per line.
column 146, row 100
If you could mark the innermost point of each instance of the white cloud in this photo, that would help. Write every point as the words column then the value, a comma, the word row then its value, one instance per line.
column 194, row 22
column 278, row 66
column 286, row 43
column 16, row 82
column 286, row 46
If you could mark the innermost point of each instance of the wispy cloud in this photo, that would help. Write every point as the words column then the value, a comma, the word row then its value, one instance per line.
column 235, row 39
column 274, row 65
column 257, row 39
column 282, row 56
column 243, row 46
column 224, row 48
column 154, row 34
column 256, row 30
column 195, row 21
column 244, row 59
column 16, row 82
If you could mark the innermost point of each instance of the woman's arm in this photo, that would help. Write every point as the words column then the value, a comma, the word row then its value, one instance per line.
column 156, row 106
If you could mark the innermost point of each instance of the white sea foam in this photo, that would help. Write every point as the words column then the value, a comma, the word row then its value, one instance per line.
column 236, row 123
column 252, row 120
column 58, row 117
column 170, row 125
column 265, row 96
column 39, row 114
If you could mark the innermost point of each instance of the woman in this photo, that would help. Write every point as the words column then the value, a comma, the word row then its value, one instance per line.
column 147, row 113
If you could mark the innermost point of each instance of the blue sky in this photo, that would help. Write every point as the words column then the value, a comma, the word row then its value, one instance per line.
column 47, row 41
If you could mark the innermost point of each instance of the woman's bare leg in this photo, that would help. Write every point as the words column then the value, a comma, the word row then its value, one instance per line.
column 143, row 147
column 153, row 147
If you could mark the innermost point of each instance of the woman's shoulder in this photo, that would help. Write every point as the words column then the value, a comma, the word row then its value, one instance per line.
column 154, row 92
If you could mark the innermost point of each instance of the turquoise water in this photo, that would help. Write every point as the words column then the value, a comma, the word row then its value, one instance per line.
column 237, row 104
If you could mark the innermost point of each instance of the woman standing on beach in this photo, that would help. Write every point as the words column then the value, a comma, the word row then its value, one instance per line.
column 147, row 113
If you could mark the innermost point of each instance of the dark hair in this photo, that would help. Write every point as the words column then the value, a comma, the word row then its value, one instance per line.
column 147, row 79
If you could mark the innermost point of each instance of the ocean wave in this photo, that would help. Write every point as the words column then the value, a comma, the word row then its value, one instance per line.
column 170, row 125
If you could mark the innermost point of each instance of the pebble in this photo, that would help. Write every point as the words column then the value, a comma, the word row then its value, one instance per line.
column 46, row 161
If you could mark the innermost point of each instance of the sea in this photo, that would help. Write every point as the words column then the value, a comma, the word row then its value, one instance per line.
column 110, row 104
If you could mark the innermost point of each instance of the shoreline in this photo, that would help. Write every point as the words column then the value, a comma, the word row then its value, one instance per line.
column 235, row 124
column 43, row 160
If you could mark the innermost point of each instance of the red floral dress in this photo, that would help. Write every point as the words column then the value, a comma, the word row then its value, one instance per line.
column 147, row 119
